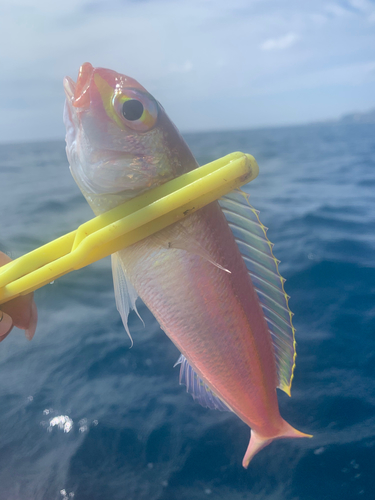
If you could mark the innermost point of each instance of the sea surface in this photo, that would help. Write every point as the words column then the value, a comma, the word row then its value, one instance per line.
column 83, row 416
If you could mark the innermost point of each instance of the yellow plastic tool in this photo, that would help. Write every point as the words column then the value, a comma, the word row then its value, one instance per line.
column 126, row 224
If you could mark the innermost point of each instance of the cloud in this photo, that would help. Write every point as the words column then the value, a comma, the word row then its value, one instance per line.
column 186, row 67
column 337, row 10
column 353, row 75
column 280, row 43
column 362, row 5
column 198, row 58
column 365, row 7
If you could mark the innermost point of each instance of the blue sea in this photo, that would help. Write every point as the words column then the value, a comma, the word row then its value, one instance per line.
column 83, row 416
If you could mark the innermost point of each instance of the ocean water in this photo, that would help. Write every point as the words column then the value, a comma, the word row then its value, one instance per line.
column 83, row 416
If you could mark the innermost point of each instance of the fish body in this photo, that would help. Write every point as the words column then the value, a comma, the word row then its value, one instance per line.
column 191, row 275
column 214, row 318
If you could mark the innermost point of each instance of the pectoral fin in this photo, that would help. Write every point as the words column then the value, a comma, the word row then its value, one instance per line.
column 177, row 236
column 125, row 293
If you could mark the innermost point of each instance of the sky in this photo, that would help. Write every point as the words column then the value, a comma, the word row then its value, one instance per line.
column 213, row 64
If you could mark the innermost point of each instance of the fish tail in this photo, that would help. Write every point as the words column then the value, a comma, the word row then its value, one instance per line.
column 258, row 442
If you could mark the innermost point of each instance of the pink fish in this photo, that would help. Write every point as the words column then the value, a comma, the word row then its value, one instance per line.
column 211, row 281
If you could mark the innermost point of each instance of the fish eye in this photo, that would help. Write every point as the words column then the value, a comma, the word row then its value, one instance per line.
column 135, row 110
column 132, row 109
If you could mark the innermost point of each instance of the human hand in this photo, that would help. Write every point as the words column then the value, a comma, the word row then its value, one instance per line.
column 20, row 312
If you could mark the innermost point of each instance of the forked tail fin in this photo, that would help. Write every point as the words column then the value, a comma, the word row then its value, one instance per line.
column 257, row 441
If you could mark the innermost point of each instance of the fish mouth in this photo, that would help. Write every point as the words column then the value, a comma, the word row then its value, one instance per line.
column 78, row 92
column 69, row 87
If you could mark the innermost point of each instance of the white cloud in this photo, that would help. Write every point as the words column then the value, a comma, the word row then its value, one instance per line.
column 364, row 7
column 280, row 43
column 336, row 76
column 337, row 10
column 318, row 18
column 186, row 67
column 194, row 56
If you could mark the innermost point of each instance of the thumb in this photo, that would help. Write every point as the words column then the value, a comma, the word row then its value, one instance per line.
column 6, row 324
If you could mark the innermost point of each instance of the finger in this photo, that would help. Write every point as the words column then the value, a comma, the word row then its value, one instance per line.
column 6, row 325
column 4, row 259
column 22, row 309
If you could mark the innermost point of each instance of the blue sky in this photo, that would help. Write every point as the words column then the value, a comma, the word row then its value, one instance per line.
column 213, row 64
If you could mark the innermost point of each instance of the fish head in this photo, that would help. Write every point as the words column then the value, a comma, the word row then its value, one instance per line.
column 119, row 140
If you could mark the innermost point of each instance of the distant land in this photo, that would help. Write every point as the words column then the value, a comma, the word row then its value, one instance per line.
column 367, row 117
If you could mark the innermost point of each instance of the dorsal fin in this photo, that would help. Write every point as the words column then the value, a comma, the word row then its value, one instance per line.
column 195, row 386
column 256, row 250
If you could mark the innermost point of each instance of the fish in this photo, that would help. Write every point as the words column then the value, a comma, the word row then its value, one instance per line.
column 211, row 280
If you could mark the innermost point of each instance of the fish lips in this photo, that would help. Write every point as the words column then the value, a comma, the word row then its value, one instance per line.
column 77, row 98
column 78, row 93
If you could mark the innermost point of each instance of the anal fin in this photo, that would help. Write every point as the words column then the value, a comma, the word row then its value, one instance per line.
column 195, row 386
